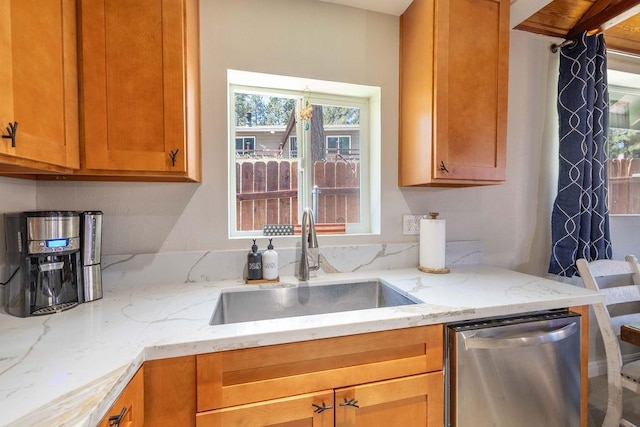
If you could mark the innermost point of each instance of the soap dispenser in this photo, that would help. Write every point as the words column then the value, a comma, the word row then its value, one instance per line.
column 254, row 263
column 270, row 263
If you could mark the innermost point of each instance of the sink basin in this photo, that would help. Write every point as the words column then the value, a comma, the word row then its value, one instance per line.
column 276, row 303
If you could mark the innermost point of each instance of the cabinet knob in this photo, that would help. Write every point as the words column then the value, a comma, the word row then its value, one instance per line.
column 350, row 402
column 11, row 133
column 443, row 168
column 320, row 409
column 114, row 420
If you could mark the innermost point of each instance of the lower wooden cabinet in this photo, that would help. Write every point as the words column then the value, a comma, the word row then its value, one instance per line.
column 364, row 379
column 412, row 401
column 356, row 380
column 128, row 410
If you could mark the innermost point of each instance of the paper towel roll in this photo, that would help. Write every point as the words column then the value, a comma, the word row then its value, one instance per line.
column 432, row 244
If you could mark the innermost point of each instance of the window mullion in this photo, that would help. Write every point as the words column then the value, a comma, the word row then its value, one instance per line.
column 305, row 173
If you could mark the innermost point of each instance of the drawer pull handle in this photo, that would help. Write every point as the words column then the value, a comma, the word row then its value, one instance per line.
column 114, row 420
column 320, row 409
column 350, row 402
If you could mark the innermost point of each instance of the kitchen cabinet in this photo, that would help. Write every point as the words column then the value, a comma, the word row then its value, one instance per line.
column 128, row 410
column 363, row 379
column 139, row 92
column 395, row 373
column 39, row 85
column 453, row 92
column 170, row 392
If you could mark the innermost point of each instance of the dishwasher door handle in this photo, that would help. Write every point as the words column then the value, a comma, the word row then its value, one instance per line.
column 522, row 341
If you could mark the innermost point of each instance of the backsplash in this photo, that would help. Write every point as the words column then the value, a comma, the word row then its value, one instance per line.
column 201, row 266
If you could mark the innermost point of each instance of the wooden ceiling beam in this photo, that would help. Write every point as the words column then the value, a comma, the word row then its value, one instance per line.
column 604, row 16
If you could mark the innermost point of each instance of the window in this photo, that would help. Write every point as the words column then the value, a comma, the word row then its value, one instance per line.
column 624, row 142
column 315, row 144
column 339, row 145
column 293, row 146
column 245, row 145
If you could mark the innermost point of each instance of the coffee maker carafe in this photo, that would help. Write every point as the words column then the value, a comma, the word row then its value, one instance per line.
column 43, row 250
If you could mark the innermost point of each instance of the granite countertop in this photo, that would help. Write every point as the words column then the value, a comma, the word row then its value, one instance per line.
column 67, row 369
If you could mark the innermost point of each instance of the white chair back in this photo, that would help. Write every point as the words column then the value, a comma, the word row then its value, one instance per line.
column 595, row 274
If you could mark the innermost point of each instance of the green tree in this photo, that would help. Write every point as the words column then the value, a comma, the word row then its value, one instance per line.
column 624, row 143
column 341, row 115
column 265, row 110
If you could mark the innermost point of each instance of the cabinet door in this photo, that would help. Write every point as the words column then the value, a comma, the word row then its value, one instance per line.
column 453, row 92
column 129, row 408
column 39, row 84
column 410, row 401
column 307, row 410
column 135, row 104
column 472, row 54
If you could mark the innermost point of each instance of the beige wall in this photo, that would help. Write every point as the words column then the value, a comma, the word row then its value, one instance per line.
column 330, row 42
column 16, row 195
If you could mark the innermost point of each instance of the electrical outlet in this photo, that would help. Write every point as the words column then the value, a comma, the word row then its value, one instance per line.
column 410, row 224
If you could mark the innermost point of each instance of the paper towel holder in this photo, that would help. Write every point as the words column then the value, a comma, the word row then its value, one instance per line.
column 434, row 215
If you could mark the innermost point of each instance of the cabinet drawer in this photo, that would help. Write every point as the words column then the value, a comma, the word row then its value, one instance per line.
column 254, row 374
column 130, row 404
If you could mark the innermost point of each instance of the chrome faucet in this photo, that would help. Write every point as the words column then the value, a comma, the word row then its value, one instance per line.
column 309, row 241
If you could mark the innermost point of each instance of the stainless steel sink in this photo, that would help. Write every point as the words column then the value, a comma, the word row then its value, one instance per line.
column 275, row 303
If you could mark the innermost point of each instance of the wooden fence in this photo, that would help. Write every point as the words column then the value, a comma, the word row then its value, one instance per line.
column 267, row 192
column 624, row 187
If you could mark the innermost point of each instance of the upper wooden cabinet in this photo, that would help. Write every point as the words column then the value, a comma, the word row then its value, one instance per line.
column 453, row 92
column 139, row 89
column 39, row 85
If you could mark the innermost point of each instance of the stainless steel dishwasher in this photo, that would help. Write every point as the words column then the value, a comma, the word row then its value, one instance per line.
column 520, row 371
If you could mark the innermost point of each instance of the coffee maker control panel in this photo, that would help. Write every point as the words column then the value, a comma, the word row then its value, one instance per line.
column 54, row 246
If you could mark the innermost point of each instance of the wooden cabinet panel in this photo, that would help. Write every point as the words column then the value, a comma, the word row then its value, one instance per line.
column 296, row 411
column 130, row 405
column 170, row 392
column 583, row 310
column 412, row 401
column 140, row 88
column 453, row 92
column 254, row 374
column 39, row 85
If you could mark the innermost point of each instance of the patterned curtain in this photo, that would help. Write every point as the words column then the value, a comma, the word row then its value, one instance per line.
column 580, row 217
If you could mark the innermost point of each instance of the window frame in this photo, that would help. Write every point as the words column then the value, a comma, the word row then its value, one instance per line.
column 366, row 98
column 626, row 63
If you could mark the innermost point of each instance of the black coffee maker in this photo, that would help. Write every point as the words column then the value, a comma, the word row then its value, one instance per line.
column 43, row 252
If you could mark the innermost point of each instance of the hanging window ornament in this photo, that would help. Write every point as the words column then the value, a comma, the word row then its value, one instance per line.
column 306, row 112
